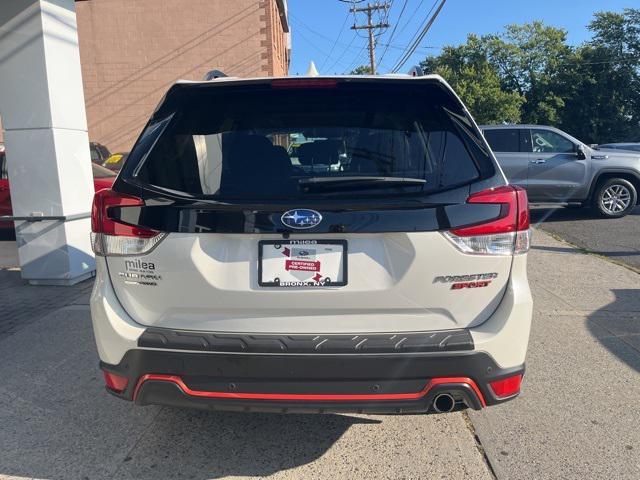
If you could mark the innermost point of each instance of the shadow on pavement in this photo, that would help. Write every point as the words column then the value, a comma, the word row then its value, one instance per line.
column 57, row 422
column 621, row 320
column 216, row 445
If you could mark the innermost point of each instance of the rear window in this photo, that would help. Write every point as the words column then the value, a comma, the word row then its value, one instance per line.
column 351, row 140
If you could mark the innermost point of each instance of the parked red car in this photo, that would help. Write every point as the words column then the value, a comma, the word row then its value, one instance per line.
column 102, row 178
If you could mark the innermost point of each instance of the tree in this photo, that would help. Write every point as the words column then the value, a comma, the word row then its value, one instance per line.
column 528, row 57
column 469, row 72
column 362, row 70
column 605, row 103
column 529, row 74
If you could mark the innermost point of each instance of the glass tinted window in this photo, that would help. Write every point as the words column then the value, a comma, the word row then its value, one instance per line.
column 277, row 143
column 4, row 174
column 546, row 141
column 503, row 139
column 525, row 140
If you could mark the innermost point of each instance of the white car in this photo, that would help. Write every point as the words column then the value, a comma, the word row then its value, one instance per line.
column 229, row 278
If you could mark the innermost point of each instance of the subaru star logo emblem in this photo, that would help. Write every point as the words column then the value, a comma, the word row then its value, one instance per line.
column 301, row 218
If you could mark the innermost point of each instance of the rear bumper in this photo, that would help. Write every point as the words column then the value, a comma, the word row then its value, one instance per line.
column 366, row 383
column 245, row 371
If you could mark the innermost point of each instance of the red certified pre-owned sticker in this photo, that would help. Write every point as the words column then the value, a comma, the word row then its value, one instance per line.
column 303, row 265
column 461, row 285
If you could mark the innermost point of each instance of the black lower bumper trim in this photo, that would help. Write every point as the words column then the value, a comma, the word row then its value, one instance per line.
column 167, row 393
column 306, row 375
column 403, row 342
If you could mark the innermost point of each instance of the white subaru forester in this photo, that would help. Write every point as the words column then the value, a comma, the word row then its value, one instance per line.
column 312, row 244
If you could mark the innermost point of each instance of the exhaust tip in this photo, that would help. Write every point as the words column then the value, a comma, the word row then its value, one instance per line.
column 444, row 403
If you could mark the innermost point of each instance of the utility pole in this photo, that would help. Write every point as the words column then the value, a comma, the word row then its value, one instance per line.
column 370, row 26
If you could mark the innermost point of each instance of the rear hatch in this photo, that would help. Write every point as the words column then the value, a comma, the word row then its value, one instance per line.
column 327, row 205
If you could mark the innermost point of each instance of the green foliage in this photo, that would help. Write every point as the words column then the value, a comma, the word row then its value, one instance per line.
column 468, row 71
column 361, row 70
column 529, row 74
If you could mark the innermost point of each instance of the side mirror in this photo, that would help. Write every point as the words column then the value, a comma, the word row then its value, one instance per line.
column 580, row 153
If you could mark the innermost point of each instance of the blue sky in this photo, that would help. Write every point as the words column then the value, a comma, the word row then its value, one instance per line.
column 316, row 24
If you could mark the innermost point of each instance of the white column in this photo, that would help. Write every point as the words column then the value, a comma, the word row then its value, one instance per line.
column 47, row 146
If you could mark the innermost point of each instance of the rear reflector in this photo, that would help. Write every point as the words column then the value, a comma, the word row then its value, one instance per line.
column 115, row 382
column 506, row 387
column 506, row 235
column 111, row 236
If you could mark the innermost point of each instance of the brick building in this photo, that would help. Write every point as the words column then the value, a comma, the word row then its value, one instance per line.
column 132, row 51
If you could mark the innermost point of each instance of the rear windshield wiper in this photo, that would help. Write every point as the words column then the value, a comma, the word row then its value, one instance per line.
column 358, row 181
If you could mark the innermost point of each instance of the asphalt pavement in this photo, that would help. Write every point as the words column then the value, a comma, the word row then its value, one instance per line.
column 576, row 418
column 617, row 239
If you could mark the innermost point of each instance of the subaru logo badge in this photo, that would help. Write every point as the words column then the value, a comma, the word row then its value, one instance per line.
column 301, row 218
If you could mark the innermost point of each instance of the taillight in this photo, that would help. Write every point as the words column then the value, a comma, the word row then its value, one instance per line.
column 115, row 382
column 506, row 387
column 110, row 236
column 506, row 235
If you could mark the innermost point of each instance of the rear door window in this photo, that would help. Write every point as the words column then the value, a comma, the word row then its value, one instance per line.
column 525, row 140
column 504, row 140
column 294, row 144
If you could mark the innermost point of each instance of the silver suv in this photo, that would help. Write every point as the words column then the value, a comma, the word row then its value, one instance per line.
column 554, row 167
column 232, row 277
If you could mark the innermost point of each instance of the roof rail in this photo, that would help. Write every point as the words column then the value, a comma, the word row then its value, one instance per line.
column 213, row 74
column 416, row 71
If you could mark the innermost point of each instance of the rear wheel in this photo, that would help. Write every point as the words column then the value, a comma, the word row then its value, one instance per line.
column 615, row 198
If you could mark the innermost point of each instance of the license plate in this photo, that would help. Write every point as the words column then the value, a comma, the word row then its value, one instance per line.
column 302, row 263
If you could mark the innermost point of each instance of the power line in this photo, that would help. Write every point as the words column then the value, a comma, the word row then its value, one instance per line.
column 420, row 26
column 323, row 52
column 370, row 27
column 356, row 58
column 349, row 45
column 346, row 18
column 343, row 52
column 412, row 16
column 417, row 41
column 404, row 5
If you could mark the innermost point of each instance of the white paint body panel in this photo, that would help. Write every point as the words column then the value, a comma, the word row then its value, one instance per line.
column 210, row 282
column 504, row 335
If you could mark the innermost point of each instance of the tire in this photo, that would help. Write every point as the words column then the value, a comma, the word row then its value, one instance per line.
column 615, row 198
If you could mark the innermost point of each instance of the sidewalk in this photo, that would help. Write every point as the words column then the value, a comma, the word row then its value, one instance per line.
column 22, row 304
column 578, row 416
